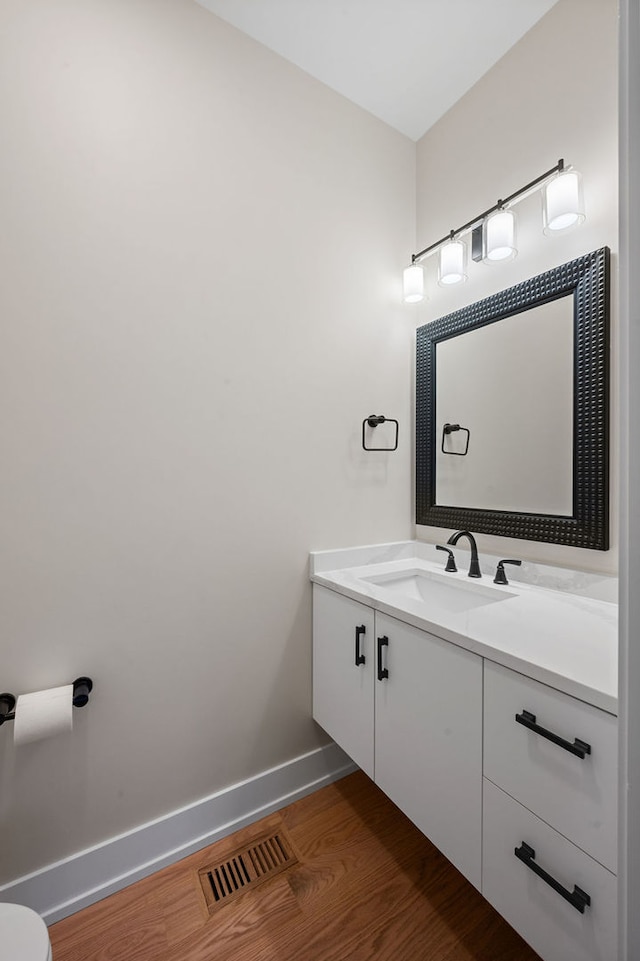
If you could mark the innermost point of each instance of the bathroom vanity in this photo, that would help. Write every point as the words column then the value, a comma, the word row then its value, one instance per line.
column 487, row 713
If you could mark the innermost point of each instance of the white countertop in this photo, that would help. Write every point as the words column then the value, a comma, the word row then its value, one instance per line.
column 564, row 639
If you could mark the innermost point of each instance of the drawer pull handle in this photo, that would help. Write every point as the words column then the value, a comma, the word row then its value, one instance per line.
column 577, row 898
column 382, row 671
column 360, row 658
column 579, row 748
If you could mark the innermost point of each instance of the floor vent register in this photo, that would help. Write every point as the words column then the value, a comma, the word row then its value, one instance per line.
column 244, row 870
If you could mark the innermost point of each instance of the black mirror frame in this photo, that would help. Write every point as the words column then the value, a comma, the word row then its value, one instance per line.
column 587, row 278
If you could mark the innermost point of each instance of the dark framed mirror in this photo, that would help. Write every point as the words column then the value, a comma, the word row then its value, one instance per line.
column 512, row 411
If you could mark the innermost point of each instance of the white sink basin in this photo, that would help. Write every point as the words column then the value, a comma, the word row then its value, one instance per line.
column 453, row 595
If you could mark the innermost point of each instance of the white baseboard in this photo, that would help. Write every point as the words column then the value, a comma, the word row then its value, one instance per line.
column 65, row 887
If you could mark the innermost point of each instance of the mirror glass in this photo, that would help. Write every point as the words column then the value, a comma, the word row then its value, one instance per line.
column 512, row 410
column 517, row 424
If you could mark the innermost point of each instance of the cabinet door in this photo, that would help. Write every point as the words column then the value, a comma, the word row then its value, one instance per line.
column 536, row 895
column 428, row 752
column 343, row 662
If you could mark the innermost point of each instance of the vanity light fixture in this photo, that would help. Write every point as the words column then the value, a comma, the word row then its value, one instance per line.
column 413, row 284
column 562, row 202
column 493, row 232
column 452, row 263
column 499, row 230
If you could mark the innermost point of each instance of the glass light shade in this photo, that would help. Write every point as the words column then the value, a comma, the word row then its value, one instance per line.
column 413, row 284
column 452, row 263
column 500, row 236
column 562, row 202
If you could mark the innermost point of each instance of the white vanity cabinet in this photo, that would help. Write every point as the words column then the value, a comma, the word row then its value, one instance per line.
column 410, row 715
column 487, row 713
column 512, row 779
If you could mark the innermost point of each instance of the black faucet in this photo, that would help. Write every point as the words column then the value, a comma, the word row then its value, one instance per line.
column 474, row 566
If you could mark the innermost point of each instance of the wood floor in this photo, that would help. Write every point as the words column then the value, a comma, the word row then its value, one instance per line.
column 368, row 885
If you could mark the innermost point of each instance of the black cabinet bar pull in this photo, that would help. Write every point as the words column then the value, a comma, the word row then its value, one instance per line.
column 382, row 671
column 579, row 748
column 360, row 658
column 577, row 898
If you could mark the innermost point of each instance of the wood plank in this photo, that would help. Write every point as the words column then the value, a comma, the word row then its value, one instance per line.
column 94, row 934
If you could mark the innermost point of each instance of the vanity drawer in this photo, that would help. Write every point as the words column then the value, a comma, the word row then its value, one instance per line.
column 545, row 919
column 575, row 795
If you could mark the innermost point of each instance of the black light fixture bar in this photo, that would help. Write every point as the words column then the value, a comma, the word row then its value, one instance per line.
column 480, row 217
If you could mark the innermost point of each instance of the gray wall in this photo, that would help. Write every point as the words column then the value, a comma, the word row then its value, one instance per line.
column 554, row 94
column 201, row 253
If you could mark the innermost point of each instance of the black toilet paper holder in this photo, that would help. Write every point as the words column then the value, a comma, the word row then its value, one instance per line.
column 82, row 687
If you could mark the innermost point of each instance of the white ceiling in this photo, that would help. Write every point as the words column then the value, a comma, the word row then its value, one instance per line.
column 405, row 61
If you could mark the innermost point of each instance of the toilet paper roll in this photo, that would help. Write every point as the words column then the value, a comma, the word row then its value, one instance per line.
column 43, row 714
